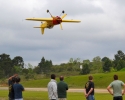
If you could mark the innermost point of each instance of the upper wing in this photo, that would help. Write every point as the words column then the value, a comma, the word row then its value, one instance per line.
column 74, row 21
column 40, row 19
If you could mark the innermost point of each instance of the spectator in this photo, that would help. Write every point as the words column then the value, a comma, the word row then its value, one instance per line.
column 10, row 79
column 52, row 88
column 11, row 82
column 89, row 89
column 62, row 88
column 117, row 88
column 18, row 88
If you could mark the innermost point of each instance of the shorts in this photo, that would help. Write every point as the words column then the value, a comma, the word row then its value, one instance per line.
column 52, row 99
column 117, row 98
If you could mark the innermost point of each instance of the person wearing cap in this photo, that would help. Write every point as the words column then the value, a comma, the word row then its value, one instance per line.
column 62, row 88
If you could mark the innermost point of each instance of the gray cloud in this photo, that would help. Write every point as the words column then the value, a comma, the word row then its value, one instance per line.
column 100, row 33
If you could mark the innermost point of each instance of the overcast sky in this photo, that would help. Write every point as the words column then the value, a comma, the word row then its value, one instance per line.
column 100, row 33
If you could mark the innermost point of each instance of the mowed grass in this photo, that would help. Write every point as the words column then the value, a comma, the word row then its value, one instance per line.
column 101, row 80
column 40, row 95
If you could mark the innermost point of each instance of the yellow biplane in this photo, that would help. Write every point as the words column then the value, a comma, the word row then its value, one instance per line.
column 50, row 22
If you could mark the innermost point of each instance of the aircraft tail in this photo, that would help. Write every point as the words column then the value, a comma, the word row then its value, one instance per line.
column 42, row 29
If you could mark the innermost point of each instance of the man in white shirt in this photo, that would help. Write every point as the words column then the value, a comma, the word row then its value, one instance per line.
column 52, row 88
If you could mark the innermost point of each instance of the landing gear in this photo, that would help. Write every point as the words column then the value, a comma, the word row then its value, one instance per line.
column 49, row 13
column 63, row 11
column 47, row 10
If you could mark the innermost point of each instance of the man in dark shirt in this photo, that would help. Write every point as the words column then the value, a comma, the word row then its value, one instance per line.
column 18, row 88
column 89, row 89
column 62, row 88
column 11, row 90
column 11, row 82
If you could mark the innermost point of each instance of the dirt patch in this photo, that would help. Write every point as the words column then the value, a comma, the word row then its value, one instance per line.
column 70, row 90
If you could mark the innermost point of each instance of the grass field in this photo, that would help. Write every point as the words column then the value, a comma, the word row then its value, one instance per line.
column 101, row 80
column 38, row 95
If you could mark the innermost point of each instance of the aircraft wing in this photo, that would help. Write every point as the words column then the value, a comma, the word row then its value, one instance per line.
column 73, row 21
column 40, row 19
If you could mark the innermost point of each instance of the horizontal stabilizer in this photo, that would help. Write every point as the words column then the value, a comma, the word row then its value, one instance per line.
column 37, row 27
column 42, row 29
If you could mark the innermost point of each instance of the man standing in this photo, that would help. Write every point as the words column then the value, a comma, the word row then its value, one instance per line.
column 117, row 88
column 18, row 89
column 11, row 81
column 62, row 88
column 52, row 88
column 89, row 89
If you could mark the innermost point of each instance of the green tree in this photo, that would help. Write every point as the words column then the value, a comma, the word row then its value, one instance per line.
column 107, row 64
column 120, row 65
column 18, row 61
column 96, row 59
column 85, row 69
column 96, row 65
column 71, row 60
column 42, row 65
column 37, row 70
column 6, row 65
column 25, row 71
column 119, row 61
column 86, row 61
column 17, row 69
column 45, row 66
column 120, row 55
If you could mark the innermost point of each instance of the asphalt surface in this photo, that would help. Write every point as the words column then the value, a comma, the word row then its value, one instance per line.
column 70, row 90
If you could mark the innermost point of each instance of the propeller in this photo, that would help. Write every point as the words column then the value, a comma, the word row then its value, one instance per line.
column 61, row 26
column 62, row 18
column 60, row 15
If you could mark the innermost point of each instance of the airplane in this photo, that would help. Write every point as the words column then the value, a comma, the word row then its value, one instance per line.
column 51, row 22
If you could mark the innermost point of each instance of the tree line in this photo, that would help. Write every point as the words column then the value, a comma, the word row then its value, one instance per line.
column 10, row 66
